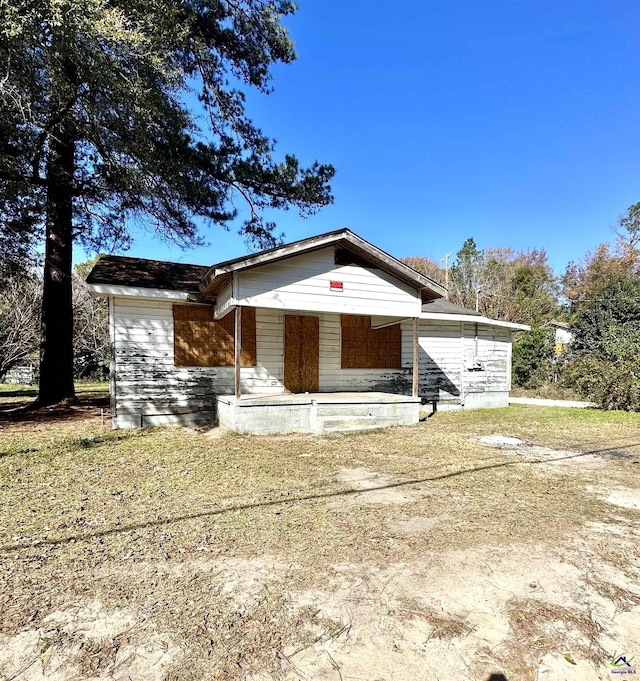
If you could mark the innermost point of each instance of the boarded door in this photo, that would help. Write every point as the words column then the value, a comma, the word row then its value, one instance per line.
column 301, row 353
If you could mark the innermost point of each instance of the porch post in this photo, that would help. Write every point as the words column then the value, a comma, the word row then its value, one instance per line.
column 416, row 360
column 237, row 333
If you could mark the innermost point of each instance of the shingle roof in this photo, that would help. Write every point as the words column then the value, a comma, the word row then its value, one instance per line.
column 140, row 273
column 119, row 270
column 442, row 306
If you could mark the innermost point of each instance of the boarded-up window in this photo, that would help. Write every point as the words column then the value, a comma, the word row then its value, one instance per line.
column 367, row 348
column 200, row 341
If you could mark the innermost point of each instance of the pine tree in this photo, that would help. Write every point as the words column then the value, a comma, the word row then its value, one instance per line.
column 130, row 110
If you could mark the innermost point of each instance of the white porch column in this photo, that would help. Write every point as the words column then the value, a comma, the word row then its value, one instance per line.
column 237, row 336
column 416, row 359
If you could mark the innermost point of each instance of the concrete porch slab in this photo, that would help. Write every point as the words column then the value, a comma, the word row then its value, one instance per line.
column 315, row 412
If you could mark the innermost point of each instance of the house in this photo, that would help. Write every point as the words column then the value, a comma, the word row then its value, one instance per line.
column 326, row 333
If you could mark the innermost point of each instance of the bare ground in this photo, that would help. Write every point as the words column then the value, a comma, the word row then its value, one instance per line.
column 414, row 553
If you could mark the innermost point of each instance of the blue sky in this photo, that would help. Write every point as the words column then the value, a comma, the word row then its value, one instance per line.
column 515, row 122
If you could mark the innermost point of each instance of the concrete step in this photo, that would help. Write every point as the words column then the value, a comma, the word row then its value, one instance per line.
column 336, row 424
column 352, row 429
column 342, row 410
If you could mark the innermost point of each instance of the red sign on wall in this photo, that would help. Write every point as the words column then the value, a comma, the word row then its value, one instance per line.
column 336, row 286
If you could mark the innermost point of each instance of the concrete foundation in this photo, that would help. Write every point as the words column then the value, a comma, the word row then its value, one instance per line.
column 489, row 399
column 480, row 400
column 316, row 412
column 311, row 412
column 199, row 418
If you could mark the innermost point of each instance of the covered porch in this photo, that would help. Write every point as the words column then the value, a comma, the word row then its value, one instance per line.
column 329, row 374
column 334, row 326
column 315, row 412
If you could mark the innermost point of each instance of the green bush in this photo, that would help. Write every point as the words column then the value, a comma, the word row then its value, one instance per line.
column 532, row 360
column 604, row 364
column 610, row 375
column 614, row 305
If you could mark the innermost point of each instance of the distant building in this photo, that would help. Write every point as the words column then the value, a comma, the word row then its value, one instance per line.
column 564, row 337
column 21, row 374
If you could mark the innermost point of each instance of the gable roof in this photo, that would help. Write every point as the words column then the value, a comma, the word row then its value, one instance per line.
column 114, row 270
column 219, row 274
column 118, row 270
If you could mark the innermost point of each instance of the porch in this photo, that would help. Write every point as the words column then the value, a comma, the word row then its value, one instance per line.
column 315, row 412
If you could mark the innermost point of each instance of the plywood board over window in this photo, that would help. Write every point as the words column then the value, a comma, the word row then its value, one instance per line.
column 201, row 341
column 367, row 348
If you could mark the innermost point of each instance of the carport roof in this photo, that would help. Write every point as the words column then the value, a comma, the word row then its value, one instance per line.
column 443, row 310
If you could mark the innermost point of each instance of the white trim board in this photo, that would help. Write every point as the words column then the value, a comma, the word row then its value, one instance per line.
column 140, row 292
column 473, row 319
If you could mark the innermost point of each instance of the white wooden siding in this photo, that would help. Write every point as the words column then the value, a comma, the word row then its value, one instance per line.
column 492, row 352
column 224, row 301
column 443, row 354
column 335, row 379
column 146, row 381
column 303, row 283
column 440, row 359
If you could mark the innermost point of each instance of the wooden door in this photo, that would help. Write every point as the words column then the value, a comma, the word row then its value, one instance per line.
column 301, row 354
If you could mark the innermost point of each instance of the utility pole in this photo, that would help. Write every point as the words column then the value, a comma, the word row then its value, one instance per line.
column 446, row 274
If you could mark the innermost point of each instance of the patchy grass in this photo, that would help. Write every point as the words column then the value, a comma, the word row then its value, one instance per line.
column 539, row 628
column 163, row 522
column 584, row 430
column 12, row 393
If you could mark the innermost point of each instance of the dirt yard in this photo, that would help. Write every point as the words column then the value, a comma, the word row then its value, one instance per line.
column 500, row 544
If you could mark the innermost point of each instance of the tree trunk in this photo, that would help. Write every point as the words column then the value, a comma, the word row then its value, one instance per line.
column 56, row 351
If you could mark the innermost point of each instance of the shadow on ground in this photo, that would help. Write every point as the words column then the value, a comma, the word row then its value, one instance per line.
column 88, row 404
column 164, row 522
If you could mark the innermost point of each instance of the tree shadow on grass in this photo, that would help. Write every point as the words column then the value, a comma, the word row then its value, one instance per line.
column 24, row 392
column 164, row 522
column 87, row 405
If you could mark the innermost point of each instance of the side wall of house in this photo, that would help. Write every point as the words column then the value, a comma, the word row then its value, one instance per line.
column 463, row 364
column 487, row 366
column 440, row 357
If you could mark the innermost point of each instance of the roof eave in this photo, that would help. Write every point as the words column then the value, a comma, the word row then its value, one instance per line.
column 404, row 272
column 119, row 290
column 473, row 319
